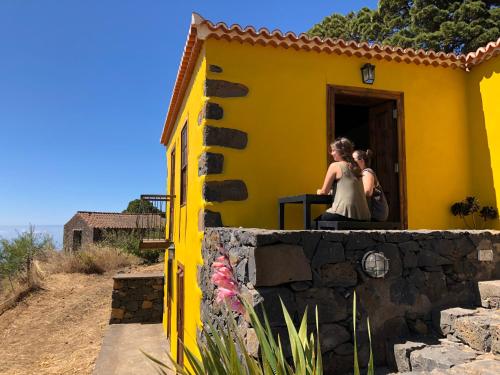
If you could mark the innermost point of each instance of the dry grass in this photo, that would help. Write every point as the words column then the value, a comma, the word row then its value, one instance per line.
column 93, row 259
column 59, row 329
column 14, row 290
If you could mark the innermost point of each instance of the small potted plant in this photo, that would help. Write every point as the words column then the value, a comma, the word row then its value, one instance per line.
column 470, row 207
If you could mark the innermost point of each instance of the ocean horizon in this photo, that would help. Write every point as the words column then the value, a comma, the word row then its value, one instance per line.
column 12, row 231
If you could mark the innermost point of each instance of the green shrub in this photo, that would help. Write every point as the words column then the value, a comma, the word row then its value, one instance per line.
column 129, row 242
column 17, row 255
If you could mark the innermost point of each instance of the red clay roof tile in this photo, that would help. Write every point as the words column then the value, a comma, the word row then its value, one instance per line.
column 116, row 220
column 202, row 29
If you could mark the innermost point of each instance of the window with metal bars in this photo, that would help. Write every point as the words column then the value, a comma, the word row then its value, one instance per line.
column 184, row 163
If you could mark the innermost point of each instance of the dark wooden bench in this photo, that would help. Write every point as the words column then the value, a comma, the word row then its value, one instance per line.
column 357, row 225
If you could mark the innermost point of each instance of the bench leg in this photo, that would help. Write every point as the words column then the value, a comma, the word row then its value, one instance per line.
column 281, row 215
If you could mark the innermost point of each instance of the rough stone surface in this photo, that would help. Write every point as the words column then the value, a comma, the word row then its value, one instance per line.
column 332, row 335
column 428, row 258
column 474, row 331
column 495, row 338
column 449, row 316
column 207, row 219
column 489, row 292
column 227, row 190
column 215, row 68
column 137, row 298
column 210, row 163
column 439, row 357
column 402, row 354
column 252, row 342
column 339, row 275
column 272, row 270
column 478, row 367
column 224, row 137
column 430, row 270
column 212, row 111
column 224, row 89
column 332, row 307
column 328, row 252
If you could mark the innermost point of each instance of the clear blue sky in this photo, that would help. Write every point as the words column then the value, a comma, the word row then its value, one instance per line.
column 84, row 90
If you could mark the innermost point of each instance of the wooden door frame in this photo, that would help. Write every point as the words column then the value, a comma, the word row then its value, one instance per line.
column 398, row 97
column 180, row 301
column 170, row 290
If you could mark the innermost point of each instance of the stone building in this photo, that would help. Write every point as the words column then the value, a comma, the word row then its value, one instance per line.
column 87, row 227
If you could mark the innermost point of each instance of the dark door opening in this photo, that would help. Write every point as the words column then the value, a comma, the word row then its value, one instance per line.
column 77, row 240
column 180, row 314
column 371, row 122
column 170, row 279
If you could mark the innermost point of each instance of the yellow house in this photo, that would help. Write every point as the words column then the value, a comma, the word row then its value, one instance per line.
column 253, row 111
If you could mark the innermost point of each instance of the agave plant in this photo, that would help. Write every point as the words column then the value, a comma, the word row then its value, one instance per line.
column 370, row 367
column 223, row 352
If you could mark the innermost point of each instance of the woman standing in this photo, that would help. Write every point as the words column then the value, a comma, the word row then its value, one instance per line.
column 349, row 202
column 373, row 190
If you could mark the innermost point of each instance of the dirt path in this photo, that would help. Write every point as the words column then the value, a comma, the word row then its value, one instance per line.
column 59, row 329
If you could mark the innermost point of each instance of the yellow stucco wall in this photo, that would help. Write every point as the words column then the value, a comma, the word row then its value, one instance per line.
column 483, row 88
column 449, row 117
column 284, row 115
column 187, row 238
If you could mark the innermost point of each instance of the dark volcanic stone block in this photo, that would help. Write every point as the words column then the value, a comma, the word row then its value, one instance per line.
column 328, row 252
column 339, row 275
column 224, row 137
column 224, row 89
column 359, row 241
column 272, row 271
column 210, row 163
column 215, row 68
column 212, row 111
column 427, row 258
column 332, row 307
column 272, row 298
column 227, row 190
column 208, row 219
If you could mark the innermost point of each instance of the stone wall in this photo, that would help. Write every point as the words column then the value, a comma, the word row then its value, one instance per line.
column 137, row 298
column 428, row 271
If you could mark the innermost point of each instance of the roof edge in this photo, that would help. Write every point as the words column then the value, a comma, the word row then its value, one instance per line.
column 186, row 66
column 201, row 29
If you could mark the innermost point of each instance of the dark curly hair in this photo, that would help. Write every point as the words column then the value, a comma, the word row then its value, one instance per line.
column 366, row 156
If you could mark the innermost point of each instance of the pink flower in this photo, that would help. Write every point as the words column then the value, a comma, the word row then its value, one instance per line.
column 227, row 286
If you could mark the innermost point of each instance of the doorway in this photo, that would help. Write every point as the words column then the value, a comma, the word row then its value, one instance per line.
column 373, row 119
column 170, row 280
column 180, row 314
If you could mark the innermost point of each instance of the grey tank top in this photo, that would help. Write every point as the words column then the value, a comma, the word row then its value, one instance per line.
column 350, row 199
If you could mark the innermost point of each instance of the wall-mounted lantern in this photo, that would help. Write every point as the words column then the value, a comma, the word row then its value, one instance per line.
column 171, row 251
column 368, row 73
column 375, row 264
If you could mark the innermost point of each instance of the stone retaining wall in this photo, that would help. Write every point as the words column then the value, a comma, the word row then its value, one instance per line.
column 137, row 298
column 428, row 271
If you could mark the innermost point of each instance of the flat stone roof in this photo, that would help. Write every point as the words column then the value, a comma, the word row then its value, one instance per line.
column 142, row 275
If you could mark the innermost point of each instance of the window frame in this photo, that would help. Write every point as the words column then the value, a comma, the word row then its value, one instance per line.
column 172, row 193
column 184, row 165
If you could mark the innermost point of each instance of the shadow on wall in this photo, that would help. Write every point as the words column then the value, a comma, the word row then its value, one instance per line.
column 483, row 89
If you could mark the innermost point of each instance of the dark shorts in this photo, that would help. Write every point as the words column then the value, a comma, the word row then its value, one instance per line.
column 327, row 216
